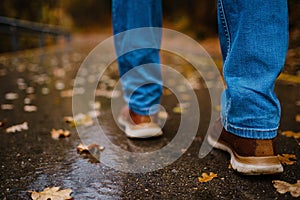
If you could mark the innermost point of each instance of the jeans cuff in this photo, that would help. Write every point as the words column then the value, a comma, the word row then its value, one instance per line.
column 250, row 132
column 145, row 111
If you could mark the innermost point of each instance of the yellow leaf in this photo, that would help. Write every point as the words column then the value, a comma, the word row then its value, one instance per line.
column 291, row 134
column 283, row 187
column 166, row 92
column 79, row 120
column 178, row 110
column 205, row 177
column 51, row 193
column 285, row 159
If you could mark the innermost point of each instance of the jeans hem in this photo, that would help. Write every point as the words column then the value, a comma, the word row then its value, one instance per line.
column 145, row 111
column 251, row 132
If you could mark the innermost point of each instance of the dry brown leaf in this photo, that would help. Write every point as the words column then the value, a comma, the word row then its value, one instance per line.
column 81, row 148
column 7, row 106
column 30, row 108
column 11, row 96
column 291, row 134
column 287, row 159
column 55, row 134
column 51, row 193
column 17, row 128
column 207, row 177
column 283, row 187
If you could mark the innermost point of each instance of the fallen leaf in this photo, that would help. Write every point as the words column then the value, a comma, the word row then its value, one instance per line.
column 66, row 93
column 162, row 114
column 59, row 85
column 81, row 148
column 96, row 105
column 205, row 177
column 69, row 120
column 27, row 100
column 178, row 109
column 21, row 84
column 55, row 134
column 94, row 113
column 166, row 92
column 17, row 128
column 291, row 134
column 11, row 96
column 7, row 106
column 45, row 91
column 30, row 108
column 79, row 119
column 283, row 187
column 59, row 72
column 51, row 193
column 287, row 159
column 30, row 90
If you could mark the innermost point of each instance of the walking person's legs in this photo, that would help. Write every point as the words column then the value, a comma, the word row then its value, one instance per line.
column 139, row 69
column 254, row 39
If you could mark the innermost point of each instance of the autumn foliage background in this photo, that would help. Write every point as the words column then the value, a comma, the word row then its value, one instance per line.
column 197, row 18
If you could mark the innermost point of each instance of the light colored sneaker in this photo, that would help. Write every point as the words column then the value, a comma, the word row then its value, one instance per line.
column 248, row 156
column 138, row 126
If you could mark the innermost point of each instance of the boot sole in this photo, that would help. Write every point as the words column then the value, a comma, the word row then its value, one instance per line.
column 249, row 165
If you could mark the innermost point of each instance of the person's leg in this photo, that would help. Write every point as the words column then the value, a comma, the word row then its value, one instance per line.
column 142, row 86
column 254, row 38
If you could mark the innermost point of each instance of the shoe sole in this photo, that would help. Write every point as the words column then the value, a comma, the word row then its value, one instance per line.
column 249, row 165
column 145, row 130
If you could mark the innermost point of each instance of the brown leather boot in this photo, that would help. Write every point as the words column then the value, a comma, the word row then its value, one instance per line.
column 248, row 156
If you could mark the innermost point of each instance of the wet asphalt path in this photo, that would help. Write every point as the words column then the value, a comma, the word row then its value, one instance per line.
column 32, row 160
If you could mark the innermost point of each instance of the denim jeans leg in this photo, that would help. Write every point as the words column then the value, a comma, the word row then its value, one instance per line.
column 254, row 40
column 140, row 68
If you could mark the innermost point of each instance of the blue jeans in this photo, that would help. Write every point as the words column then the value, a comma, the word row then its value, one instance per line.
column 254, row 38
column 139, row 70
